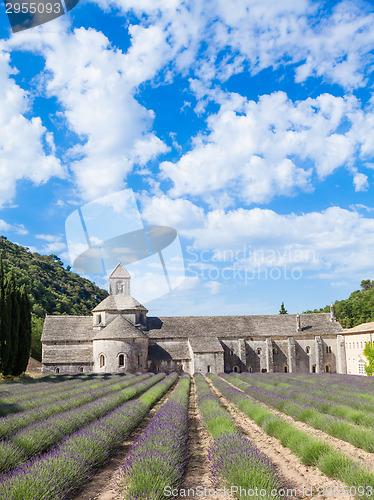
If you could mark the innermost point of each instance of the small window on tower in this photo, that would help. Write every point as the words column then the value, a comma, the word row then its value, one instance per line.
column 121, row 360
column 120, row 287
column 102, row 360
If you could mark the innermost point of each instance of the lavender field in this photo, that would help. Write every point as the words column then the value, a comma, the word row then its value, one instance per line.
column 58, row 434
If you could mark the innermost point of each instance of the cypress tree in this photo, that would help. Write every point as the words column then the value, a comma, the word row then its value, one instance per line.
column 12, row 298
column 24, row 334
column 4, row 322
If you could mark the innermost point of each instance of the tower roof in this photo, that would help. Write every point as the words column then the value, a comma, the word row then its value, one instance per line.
column 119, row 272
column 119, row 303
column 119, row 329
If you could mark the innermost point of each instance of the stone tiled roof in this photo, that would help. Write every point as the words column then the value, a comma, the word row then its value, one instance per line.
column 363, row 328
column 119, row 272
column 63, row 354
column 169, row 350
column 119, row 328
column 204, row 344
column 119, row 303
column 62, row 328
column 221, row 327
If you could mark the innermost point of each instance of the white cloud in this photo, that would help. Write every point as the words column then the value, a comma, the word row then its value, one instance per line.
column 24, row 142
column 259, row 34
column 333, row 243
column 48, row 237
column 4, row 226
column 361, row 182
column 54, row 244
column 258, row 150
column 95, row 85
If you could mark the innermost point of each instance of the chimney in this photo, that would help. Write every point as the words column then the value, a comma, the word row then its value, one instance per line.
column 298, row 323
column 332, row 313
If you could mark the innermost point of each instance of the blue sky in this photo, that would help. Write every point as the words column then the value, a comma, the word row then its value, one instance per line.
column 247, row 126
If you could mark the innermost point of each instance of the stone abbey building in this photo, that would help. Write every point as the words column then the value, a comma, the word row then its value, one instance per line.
column 120, row 337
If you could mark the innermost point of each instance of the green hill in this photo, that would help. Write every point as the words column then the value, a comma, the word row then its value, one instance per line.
column 52, row 289
column 357, row 309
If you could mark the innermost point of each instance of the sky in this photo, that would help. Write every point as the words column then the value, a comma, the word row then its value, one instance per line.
column 247, row 126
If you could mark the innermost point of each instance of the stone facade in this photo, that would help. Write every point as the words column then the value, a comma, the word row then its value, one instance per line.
column 119, row 337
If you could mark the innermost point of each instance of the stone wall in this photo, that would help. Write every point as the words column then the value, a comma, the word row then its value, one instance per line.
column 74, row 368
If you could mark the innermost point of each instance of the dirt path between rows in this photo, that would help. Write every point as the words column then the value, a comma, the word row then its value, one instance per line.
column 307, row 481
column 198, row 473
column 364, row 457
column 105, row 484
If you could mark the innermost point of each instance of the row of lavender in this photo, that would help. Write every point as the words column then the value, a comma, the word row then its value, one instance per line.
column 354, row 386
column 359, row 436
column 358, row 478
column 71, row 463
column 157, row 459
column 15, row 421
column 325, row 398
column 40, row 436
column 234, row 458
column 27, row 397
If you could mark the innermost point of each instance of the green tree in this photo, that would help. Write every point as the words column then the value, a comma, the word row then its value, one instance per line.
column 24, row 334
column 12, row 294
column 36, row 333
column 369, row 354
column 366, row 285
column 282, row 309
column 4, row 322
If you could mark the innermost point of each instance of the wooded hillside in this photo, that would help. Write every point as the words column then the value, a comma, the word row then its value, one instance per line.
column 51, row 288
column 357, row 309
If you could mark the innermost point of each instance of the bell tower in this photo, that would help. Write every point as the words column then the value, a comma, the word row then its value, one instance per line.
column 119, row 281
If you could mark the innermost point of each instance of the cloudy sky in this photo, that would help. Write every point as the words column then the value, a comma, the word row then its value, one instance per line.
column 246, row 125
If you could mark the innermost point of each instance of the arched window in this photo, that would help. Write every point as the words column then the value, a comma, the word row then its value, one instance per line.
column 57, row 370
column 313, row 368
column 285, row 369
column 121, row 360
column 81, row 369
column 236, row 369
column 208, row 369
column 307, row 349
column 231, row 352
column 259, row 350
column 102, row 360
column 250, row 369
column 275, row 350
column 327, row 368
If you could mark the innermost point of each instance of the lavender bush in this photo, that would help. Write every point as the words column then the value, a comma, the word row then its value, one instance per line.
column 158, row 457
column 58, row 473
column 39, row 437
column 233, row 457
